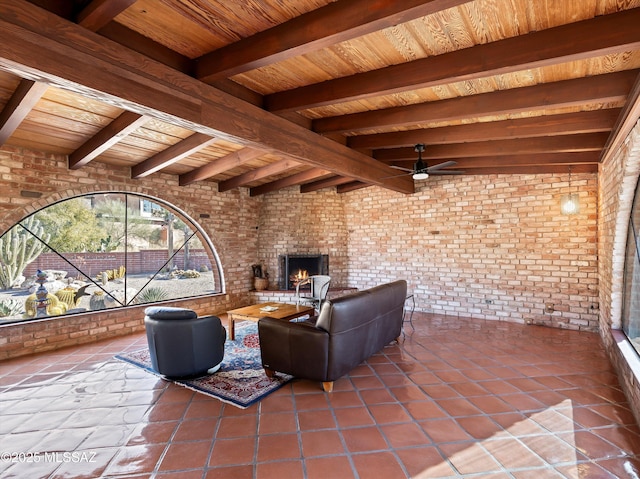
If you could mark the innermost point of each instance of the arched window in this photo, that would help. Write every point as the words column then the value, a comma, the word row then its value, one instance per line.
column 631, row 299
column 101, row 251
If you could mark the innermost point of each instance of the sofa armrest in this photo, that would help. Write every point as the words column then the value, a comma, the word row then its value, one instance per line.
column 298, row 349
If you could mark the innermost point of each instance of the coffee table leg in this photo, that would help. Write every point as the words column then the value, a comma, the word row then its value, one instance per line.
column 232, row 328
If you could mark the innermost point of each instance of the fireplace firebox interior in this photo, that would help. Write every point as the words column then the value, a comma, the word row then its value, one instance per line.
column 293, row 266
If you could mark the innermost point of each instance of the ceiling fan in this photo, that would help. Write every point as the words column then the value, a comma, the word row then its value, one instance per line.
column 421, row 171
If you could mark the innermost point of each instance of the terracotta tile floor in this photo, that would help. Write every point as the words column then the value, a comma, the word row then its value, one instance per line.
column 455, row 398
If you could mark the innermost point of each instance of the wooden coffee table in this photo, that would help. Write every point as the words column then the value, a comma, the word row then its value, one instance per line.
column 256, row 311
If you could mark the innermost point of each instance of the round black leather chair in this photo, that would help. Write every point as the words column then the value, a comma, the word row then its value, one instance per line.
column 181, row 344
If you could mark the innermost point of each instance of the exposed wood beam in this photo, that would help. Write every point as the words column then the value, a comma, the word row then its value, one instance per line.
column 141, row 44
column 220, row 165
column 552, row 144
column 71, row 57
column 533, row 159
column 354, row 185
column 326, row 183
column 320, row 28
column 98, row 13
column 625, row 123
column 609, row 88
column 535, row 170
column 22, row 101
column 111, row 134
column 258, row 174
column 297, row 179
column 66, row 10
column 607, row 34
column 182, row 149
column 551, row 125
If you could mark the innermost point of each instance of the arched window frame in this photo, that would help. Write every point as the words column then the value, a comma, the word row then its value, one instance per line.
column 196, row 229
column 631, row 278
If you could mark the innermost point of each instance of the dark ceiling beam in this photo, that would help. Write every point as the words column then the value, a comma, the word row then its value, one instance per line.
column 99, row 13
column 296, row 179
column 173, row 154
column 326, row 183
column 329, row 25
column 111, row 134
column 258, row 174
column 220, row 165
column 353, row 186
column 608, row 88
column 535, row 170
column 22, row 101
column 534, row 159
column 66, row 10
column 149, row 48
column 606, row 34
column 551, row 144
column 625, row 123
column 71, row 57
column 551, row 125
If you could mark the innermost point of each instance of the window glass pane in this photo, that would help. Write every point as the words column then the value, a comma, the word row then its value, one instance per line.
column 102, row 251
column 631, row 293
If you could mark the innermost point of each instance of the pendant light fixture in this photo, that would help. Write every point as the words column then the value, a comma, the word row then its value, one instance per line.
column 569, row 203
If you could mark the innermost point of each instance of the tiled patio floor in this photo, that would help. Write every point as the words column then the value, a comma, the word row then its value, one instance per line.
column 455, row 398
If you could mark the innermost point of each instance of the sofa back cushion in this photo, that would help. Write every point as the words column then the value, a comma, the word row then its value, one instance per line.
column 355, row 310
column 361, row 324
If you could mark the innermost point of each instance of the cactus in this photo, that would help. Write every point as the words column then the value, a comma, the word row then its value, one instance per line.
column 112, row 273
column 97, row 301
column 18, row 248
column 55, row 307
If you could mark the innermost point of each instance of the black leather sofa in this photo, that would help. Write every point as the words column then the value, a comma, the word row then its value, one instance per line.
column 348, row 330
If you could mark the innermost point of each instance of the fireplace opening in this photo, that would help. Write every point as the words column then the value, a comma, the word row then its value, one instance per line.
column 294, row 267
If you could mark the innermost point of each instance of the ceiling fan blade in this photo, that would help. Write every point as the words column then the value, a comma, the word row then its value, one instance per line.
column 446, row 164
column 401, row 168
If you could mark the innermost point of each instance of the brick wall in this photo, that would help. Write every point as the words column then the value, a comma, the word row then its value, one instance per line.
column 145, row 261
column 492, row 247
column 618, row 177
column 310, row 223
column 231, row 225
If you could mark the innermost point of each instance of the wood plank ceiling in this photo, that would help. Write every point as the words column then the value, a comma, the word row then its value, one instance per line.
column 271, row 94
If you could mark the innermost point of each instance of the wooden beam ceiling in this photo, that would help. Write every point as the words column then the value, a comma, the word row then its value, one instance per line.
column 99, row 13
column 227, row 162
column 182, row 149
column 608, row 34
column 325, row 183
column 609, row 88
column 326, row 26
column 258, row 174
column 297, row 179
column 539, row 126
column 155, row 90
column 553, row 144
column 20, row 104
column 498, row 86
column 113, row 133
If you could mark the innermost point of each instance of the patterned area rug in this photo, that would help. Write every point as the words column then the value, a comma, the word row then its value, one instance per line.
column 240, row 381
